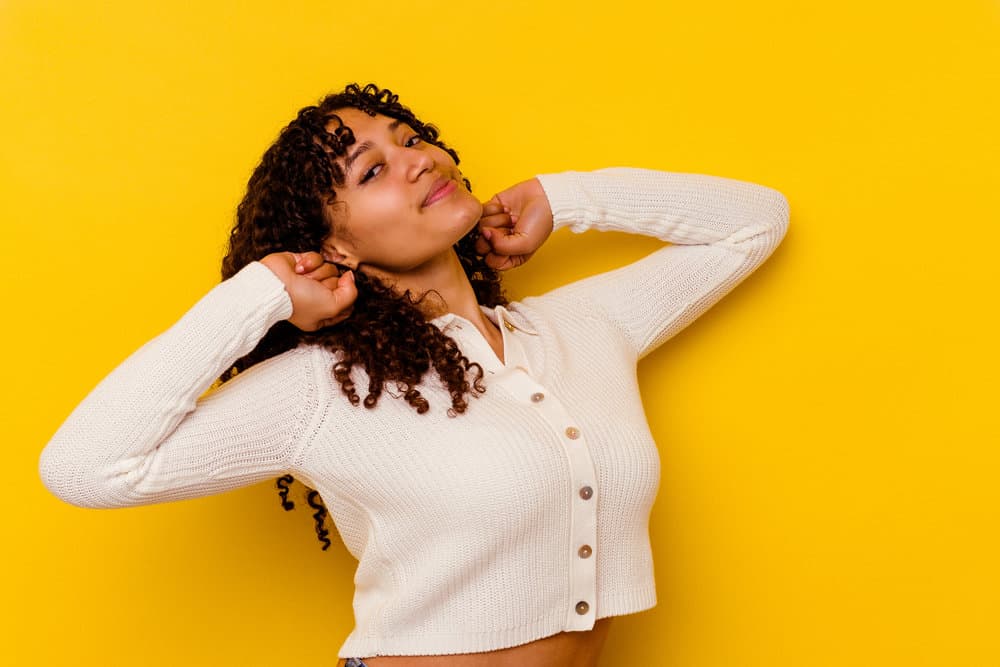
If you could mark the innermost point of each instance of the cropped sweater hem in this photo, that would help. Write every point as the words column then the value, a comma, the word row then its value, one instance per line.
column 631, row 601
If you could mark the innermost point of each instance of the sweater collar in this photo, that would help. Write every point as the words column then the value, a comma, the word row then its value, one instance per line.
column 510, row 324
column 499, row 316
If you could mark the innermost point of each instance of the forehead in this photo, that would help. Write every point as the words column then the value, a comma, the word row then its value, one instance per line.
column 360, row 122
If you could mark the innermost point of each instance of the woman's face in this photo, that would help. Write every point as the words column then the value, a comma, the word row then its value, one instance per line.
column 379, row 217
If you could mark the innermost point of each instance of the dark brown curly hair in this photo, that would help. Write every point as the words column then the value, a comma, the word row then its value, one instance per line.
column 386, row 333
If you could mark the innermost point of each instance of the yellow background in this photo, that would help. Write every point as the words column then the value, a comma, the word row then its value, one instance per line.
column 828, row 435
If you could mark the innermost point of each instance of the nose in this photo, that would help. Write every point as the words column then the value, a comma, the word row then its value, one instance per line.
column 418, row 161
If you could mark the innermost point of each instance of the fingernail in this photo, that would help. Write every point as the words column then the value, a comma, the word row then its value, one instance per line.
column 299, row 268
column 487, row 234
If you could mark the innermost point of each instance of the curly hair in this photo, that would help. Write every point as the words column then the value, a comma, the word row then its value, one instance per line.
column 386, row 333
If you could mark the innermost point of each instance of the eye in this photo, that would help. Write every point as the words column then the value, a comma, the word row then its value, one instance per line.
column 365, row 178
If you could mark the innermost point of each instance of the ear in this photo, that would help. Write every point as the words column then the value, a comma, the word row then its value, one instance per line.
column 332, row 253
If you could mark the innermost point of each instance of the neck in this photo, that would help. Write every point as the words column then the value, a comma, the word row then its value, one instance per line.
column 449, row 288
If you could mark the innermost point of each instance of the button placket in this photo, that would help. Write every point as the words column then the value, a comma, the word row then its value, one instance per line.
column 581, row 488
column 580, row 551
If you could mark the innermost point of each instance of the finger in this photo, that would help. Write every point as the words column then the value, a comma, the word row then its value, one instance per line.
column 345, row 283
column 346, row 291
column 330, row 283
column 492, row 207
column 496, row 207
column 513, row 262
column 323, row 272
column 498, row 262
column 338, row 318
column 482, row 246
column 496, row 220
column 308, row 261
column 506, row 241
column 495, row 204
column 501, row 220
column 484, row 243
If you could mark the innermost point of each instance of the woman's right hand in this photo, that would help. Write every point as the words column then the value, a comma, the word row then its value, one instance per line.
column 320, row 295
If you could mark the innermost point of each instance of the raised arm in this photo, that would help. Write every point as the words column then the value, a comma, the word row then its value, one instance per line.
column 146, row 434
column 721, row 230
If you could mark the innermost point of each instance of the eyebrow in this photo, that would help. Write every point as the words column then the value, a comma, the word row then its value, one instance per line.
column 364, row 146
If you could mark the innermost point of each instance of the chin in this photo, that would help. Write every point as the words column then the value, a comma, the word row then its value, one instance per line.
column 467, row 197
column 468, row 212
column 471, row 224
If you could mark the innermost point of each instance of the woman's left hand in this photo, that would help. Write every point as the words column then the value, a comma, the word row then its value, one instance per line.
column 515, row 223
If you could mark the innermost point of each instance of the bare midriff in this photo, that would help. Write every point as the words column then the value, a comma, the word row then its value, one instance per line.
column 566, row 649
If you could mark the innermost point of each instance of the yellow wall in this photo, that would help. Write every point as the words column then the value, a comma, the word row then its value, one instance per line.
column 829, row 455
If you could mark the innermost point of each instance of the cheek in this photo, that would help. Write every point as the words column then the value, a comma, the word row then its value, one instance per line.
column 341, row 239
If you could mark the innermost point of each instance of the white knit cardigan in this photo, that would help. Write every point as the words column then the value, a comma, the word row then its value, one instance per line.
column 523, row 517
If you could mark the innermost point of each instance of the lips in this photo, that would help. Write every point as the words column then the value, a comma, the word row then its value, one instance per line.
column 435, row 187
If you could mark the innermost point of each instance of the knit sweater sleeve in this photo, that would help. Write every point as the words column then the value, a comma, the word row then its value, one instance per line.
column 719, row 229
column 148, row 433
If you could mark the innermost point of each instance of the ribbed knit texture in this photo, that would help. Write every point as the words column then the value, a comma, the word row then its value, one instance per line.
column 523, row 517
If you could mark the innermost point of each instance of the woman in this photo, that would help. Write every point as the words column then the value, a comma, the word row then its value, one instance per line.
column 507, row 530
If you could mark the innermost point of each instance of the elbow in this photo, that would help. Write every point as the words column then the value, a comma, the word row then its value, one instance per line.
column 58, row 478
column 67, row 479
column 776, row 211
column 774, row 214
column 766, row 222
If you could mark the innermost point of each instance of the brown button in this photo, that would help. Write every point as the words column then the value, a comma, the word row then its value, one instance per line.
column 572, row 432
column 585, row 551
column 537, row 396
column 510, row 327
column 582, row 607
column 586, row 492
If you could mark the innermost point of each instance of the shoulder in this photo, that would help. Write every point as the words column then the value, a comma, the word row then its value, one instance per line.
column 566, row 317
column 306, row 367
column 556, row 310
